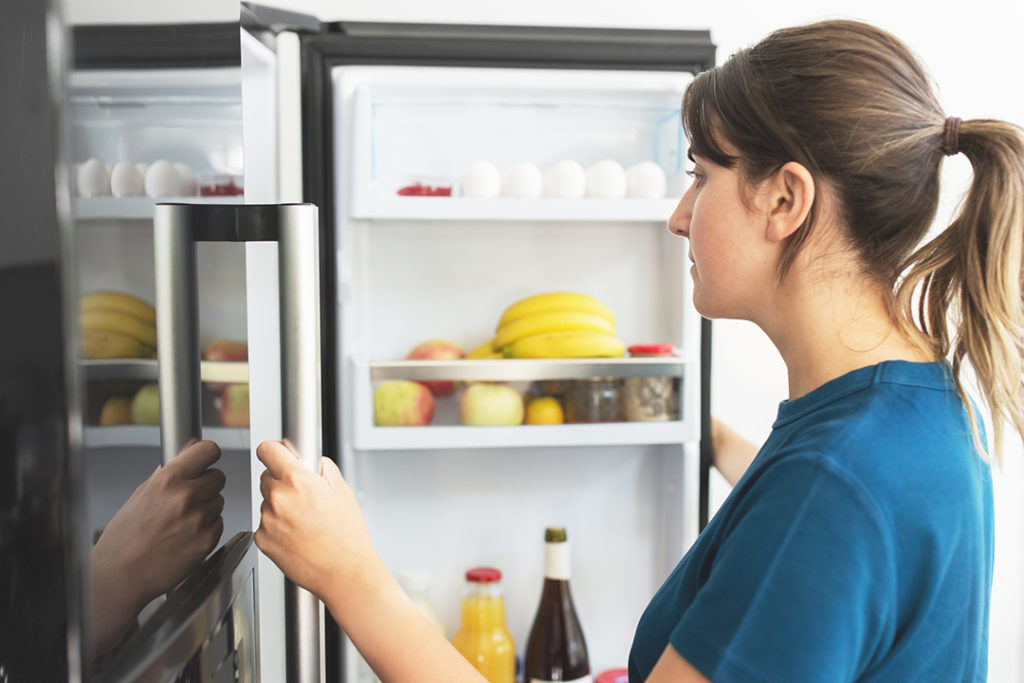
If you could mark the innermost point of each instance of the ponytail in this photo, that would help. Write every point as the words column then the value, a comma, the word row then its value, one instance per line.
column 962, row 296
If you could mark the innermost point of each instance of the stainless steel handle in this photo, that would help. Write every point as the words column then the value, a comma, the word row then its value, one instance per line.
column 177, row 229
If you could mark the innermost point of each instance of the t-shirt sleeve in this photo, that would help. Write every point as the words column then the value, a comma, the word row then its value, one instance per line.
column 803, row 586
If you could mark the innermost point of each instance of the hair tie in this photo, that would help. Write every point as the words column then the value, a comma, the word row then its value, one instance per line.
column 951, row 144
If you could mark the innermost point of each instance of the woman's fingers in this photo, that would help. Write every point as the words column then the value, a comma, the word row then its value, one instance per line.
column 278, row 458
column 208, row 485
column 194, row 459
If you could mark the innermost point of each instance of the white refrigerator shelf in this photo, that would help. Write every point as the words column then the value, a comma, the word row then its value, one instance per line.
column 144, row 369
column 134, row 208
column 508, row 209
column 521, row 436
column 520, row 369
column 115, row 436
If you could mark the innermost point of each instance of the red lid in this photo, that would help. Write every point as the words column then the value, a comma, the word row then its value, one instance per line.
column 651, row 350
column 483, row 575
column 613, row 676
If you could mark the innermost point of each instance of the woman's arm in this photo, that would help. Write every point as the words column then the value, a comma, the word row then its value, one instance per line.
column 312, row 528
column 731, row 452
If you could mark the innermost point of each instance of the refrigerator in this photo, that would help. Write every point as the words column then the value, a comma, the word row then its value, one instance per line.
column 377, row 124
column 369, row 129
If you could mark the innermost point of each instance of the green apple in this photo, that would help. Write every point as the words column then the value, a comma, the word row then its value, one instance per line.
column 234, row 405
column 401, row 403
column 146, row 405
column 491, row 404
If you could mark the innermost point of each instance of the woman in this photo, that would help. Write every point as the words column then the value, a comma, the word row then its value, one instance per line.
column 858, row 544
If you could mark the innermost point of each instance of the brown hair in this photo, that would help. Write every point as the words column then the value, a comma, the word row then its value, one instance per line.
column 853, row 105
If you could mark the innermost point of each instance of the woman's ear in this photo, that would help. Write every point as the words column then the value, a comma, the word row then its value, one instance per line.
column 790, row 197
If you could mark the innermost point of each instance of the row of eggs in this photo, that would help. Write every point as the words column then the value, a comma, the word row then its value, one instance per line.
column 162, row 178
column 567, row 179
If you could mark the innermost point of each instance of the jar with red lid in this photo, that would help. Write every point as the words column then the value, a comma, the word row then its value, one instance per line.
column 483, row 638
column 649, row 399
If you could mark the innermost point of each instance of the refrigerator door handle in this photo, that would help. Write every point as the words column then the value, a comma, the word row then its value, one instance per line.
column 177, row 230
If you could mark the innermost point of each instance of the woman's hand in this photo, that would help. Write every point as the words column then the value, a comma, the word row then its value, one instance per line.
column 311, row 526
column 167, row 526
column 732, row 454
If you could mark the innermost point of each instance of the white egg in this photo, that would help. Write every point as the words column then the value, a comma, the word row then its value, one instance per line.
column 143, row 167
column 565, row 180
column 522, row 180
column 126, row 181
column 93, row 179
column 646, row 180
column 606, row 180
column 481, row 180
column 189, row 187
column 163, row 180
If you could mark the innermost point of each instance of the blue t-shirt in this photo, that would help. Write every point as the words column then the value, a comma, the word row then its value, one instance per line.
column 858, row 545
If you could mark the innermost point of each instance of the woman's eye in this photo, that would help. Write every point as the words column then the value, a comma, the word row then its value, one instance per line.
column 698, row 177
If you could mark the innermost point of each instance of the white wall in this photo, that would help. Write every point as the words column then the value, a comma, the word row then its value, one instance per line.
column 971, row 50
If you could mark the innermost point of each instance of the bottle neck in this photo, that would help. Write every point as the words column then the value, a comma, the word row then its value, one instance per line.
column 556, row 561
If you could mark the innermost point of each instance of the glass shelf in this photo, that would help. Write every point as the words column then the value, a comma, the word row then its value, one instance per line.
column 146, row 370
column 458, row 208
column 519, row 370
column 100, row 208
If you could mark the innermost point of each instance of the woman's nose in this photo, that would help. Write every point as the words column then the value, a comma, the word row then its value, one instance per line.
column 679, row 221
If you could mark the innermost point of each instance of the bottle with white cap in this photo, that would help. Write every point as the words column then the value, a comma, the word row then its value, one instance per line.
column 556, row 649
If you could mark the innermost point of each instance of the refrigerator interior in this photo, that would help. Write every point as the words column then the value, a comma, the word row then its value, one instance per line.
column 444, row 497
column 184, row 116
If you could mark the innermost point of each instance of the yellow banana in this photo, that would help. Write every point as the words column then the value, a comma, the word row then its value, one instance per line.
column 118, row 301
column 557, row 320
column 485, row 350
column 567, row 345
column 112, row 345
column 556, row 301
column 105, row 320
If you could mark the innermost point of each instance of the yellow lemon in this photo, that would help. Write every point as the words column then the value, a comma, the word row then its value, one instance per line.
column 544, row 410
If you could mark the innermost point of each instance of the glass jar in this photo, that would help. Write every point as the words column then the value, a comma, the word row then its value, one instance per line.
column 483, row 638
column 649, row 399
column 592, row 400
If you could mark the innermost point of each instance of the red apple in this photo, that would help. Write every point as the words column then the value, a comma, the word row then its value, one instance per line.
column 234, row 405
column 226, row 349
column 401, row 403
column 491, row 404
column 437, row 349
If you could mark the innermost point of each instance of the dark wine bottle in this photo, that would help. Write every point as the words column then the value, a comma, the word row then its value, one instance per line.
column 556, row 650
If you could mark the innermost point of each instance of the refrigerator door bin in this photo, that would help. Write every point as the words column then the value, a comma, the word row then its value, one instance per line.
column 418, row 127
column 170, row 115
column 530, row 378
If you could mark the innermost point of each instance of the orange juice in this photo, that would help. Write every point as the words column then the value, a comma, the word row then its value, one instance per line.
column 482, row 637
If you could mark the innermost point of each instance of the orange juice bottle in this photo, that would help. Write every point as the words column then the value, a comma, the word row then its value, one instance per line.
column 482, row 637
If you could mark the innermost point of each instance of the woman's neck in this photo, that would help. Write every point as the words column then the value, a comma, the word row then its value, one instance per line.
column 825, row 327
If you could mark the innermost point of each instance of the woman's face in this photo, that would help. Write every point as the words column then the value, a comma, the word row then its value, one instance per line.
column 733, row 262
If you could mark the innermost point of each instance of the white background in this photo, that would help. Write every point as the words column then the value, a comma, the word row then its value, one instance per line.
column 972, row 51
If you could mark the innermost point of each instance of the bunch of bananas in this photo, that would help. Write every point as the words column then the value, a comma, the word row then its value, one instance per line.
column 117, row 325
column 554, row 325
